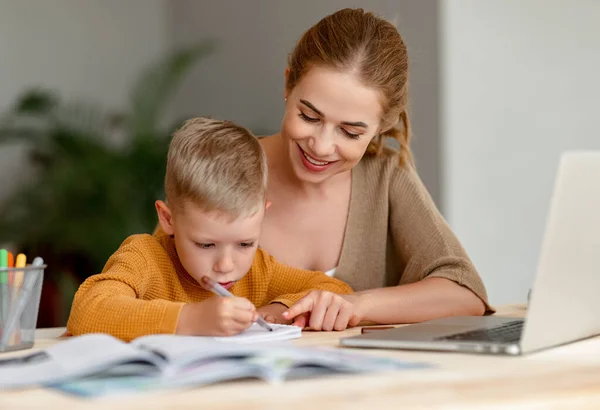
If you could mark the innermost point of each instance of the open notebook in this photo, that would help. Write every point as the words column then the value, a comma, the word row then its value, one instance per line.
column 256, row 334
column 99, row 364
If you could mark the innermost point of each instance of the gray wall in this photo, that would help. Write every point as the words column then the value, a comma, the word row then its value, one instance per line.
column 84, row 49
column 243, row 80
column 520, row 85
column 517, row 85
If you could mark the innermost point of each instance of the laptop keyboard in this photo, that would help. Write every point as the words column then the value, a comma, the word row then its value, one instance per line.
column 508, row 332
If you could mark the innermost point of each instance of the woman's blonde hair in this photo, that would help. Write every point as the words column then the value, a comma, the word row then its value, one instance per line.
column 217, row 166
column 355, row 41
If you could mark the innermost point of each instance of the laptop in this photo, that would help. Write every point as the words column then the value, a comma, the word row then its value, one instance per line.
column 564, row 304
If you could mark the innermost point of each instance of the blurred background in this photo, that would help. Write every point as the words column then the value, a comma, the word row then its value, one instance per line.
column 90, row 91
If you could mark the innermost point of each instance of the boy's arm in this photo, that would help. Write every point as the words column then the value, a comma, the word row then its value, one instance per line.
column 109, row 302
column 288, row 285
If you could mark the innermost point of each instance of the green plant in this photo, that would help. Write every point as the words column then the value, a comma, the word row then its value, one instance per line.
column 95, row 174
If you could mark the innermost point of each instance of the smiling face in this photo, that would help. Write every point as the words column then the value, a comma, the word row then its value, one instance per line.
column 329, row 121
column 210, row 243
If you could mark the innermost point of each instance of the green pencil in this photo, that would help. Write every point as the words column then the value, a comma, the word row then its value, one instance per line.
column 4, row 284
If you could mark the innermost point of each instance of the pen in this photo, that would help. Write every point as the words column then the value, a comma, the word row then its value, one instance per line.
column 21, row 262
column 10, row 264
column 4, row 286
column 18, row 277
column 19, row 305
column 375, row 329
column 219, row 290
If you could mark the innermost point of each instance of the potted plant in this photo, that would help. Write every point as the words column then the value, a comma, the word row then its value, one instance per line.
column 96, row 175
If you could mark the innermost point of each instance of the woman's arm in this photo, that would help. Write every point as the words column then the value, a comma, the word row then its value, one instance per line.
column 427, row 299
column 438, row 278
column 288, row 284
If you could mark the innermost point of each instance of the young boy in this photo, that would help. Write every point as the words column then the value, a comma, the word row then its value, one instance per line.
column 210, row 226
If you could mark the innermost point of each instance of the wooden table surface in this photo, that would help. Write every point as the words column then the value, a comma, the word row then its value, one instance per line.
column 566, row 377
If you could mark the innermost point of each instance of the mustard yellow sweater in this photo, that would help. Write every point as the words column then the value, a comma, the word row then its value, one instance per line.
column 143, row 287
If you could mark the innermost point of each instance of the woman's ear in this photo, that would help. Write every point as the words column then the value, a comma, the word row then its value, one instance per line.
column 267, row 205
column 285, row 86
column 165, row 217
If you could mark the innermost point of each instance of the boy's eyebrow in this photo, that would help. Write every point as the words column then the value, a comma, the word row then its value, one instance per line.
column 350, row 123
column 206, row 240
column 202, row 240
column 248, row 240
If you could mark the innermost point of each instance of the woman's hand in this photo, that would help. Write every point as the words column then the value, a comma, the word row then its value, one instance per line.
column 272, row 313
column 322, row 310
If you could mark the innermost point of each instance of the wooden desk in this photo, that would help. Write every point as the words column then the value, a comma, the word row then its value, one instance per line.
column 566, row 377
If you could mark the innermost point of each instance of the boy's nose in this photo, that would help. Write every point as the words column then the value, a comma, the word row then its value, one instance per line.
column 224, row 265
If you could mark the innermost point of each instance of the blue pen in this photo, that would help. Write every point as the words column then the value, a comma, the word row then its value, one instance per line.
column 19, row 305
column 219, row 290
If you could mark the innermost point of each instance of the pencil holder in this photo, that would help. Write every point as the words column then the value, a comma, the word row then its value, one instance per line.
column 20, row 292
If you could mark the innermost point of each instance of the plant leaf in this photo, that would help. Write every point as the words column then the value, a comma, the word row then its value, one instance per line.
column 82, row 118
column 157, row 84
column 18, row 134
column 37, row 101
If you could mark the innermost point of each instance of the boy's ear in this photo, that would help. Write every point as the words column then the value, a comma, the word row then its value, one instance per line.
column 165, row 217
column 267, row 205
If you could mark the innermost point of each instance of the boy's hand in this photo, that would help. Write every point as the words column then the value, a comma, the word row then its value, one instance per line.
column 322, row 310
column 272, row 313
column 217, row 316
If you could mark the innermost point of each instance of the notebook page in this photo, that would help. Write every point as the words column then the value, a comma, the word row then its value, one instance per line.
column 74, row 357
column 273, row 364
column 256, row 334
column 179, row 344
column 180, row 351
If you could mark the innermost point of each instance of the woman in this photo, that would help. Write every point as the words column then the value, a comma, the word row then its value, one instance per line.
column 344, row 203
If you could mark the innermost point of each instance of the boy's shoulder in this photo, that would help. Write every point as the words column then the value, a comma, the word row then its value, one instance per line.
column 264, row 264
column 141, row 243
column 144, row 251
column 148, row 247
column 262, row 260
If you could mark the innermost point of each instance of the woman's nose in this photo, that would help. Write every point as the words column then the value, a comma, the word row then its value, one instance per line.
column 322, row 144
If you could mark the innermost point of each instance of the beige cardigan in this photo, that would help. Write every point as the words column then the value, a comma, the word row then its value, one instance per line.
column 395, row 235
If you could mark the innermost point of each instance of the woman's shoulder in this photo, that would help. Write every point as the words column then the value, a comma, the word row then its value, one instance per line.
column 384, row 166
column 382, row 176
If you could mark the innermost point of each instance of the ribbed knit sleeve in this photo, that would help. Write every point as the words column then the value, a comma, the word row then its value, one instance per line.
column 424, row 242
column 143, row 287
column 287, row 285
column 127, row 299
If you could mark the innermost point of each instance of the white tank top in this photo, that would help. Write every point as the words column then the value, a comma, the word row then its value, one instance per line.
column 330, row 272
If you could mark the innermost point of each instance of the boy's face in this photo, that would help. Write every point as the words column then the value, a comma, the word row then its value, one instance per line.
column 208, row 243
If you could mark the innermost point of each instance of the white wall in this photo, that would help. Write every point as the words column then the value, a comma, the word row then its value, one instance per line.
column 82, row 48
column 519, row 84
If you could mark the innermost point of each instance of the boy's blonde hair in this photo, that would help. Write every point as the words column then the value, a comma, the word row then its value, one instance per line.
column 217, row 166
